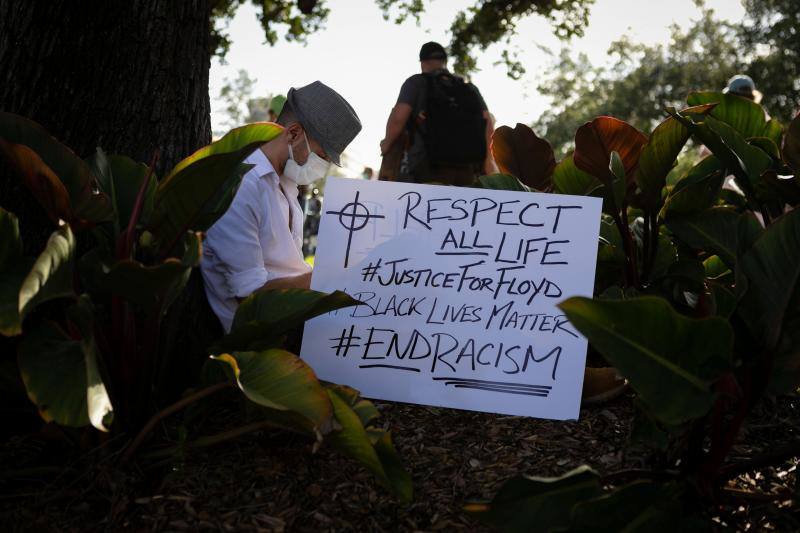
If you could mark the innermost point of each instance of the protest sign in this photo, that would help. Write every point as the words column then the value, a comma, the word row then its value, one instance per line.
column 459, row 290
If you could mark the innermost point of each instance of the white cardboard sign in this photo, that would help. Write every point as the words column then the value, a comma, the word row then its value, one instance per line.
column 460, row 289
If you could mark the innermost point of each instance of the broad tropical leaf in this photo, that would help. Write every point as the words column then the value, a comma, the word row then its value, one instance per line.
column 23, row 286
column 503, row 182
column 639, row 507
column 670, row 360
column 595, row 140
column 712, row 230
column 772, row 269
column 697, row 191
column 78, row 180
column 743, row 115
column 659, row 155
column 745, row 161
column 353, row 441
column 152, row 287
column 774, row 131
column 61, row 378
column 128, row 176
column 195, row 185
column 569, row 179
column 520, row 153
column 51, row 275
column 41, row 181
column 525, row 504
column 280, row 380
column 791, row 145
column 264, row 316
column 13, row 269
column 98, row 403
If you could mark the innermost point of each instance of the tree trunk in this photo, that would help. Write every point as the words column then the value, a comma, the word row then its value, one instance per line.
column 130, row 76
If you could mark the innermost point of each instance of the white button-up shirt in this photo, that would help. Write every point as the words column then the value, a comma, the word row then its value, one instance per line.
column 252, row 242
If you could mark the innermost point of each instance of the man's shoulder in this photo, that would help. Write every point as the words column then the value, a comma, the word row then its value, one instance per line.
column 414, row 81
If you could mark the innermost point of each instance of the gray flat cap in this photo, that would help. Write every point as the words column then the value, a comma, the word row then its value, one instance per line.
column 326, row 116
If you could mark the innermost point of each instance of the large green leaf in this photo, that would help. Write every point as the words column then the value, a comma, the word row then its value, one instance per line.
column 120, row 177
column 520, row 153
column 51, row 275
column 712, row 230
column 638, row 507
column 196, row 184
column 10, row 241
column 23, row 287
column 772, row 269
column 128, row 176
column 503, row 182
column 695, row 192
column 670, row 360
column 353, row 441
column 659, row 155
column 152, row 287
column 98, row 403
column 280, row 380
column 745, row 161
column 525, row 504
column 745, row 116
column 774, row 131
column 791, row 144
column 13, row 269
column 264, row 316
column 569, row 179
column 75, row 175
column 61, row 378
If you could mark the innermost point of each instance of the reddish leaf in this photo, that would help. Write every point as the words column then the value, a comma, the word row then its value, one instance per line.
column 522, row 154
column 595, row 140
column 48, row 190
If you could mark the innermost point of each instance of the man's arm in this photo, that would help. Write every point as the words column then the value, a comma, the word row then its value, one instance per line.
column 395, row 125
column 300, row 281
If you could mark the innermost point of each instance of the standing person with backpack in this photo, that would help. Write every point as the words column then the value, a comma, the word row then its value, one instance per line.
column 441, row 124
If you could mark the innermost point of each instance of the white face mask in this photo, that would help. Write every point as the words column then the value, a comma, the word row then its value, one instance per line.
column 313, row 169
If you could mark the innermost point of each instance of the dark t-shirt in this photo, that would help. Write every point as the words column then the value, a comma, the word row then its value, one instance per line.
column 414, row 93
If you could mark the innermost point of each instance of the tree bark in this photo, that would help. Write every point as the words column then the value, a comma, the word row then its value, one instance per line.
column 130, row 76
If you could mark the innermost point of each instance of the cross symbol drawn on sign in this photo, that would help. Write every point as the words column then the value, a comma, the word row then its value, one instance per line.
column 359, row 213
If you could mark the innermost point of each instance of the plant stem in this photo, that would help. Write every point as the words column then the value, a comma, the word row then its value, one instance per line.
column 126, row 240
column 631, row 278
column 211, row 440
column 175, row 407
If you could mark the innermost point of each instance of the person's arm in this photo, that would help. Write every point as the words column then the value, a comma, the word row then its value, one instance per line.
column 301, row 281
column 489, row 165
column 236, row 244
column 401, row 112
column 395, row 125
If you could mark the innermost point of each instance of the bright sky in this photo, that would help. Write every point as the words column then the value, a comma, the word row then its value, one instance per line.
column 366, row 58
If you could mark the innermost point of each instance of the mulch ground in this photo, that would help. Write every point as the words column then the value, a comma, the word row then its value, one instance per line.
column 270, row 481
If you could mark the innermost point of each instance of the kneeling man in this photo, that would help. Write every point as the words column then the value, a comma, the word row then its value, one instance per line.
column 258, row 242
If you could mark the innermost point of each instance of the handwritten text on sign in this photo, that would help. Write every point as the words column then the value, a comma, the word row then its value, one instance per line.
column 459, row 289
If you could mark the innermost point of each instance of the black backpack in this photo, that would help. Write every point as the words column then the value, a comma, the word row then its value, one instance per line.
column 455, row 130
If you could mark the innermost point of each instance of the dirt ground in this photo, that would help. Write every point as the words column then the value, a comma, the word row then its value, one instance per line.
column 270, row 481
